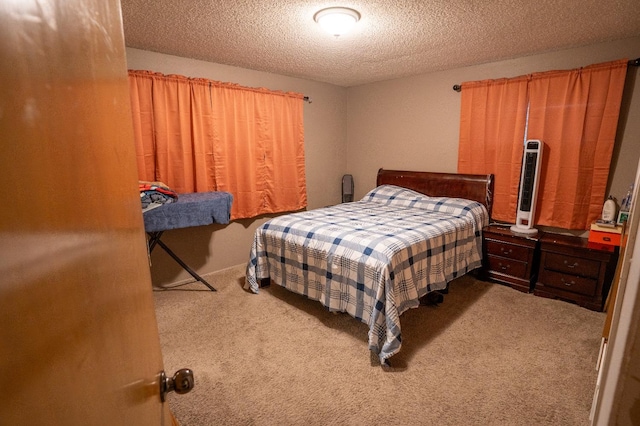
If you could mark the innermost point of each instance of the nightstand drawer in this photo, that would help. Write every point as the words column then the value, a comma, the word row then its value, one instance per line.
column 572, row 265
column 512, row 251
column 566, row 282
column 509, row 258
column 507, row 266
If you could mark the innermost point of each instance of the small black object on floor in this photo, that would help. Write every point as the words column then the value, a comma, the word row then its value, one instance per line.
column 432, row 299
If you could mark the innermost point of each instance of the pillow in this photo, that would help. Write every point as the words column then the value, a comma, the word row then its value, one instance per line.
column 395, row 196
column 392, row 195
column 453, row 206
column 460, row 207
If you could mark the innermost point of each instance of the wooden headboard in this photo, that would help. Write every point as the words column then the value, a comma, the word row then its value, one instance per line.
column 472, row 187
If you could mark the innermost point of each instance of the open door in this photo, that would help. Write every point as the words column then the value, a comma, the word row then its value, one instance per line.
column 616, row 395
column 78, row 335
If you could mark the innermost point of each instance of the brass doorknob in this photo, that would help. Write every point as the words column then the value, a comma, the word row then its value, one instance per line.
column 181, row 383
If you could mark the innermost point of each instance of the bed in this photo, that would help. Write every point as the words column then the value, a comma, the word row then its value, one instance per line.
column 377, row 257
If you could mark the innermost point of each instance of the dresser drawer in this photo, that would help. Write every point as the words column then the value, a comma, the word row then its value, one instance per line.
column 567, row 282
column 511, row 251
column 508, row 266
column 572, row 265
column 574, row 270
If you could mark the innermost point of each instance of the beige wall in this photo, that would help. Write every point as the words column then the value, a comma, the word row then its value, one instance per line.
column 212, row 248
column 409, row 123
column 413, row 123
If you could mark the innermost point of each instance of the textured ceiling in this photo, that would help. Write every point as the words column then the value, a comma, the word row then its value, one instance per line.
column 393, row 38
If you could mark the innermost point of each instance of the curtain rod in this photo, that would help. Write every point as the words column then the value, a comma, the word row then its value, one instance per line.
column 307, row 99
column 633, row 63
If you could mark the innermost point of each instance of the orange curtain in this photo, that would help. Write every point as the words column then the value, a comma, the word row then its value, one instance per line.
column 259, row 149
column 140, row 91
column 492, row 124
column 173, row 130
column 575, row 113
column 198, row 135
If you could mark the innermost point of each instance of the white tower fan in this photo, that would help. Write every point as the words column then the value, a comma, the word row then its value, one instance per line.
column 529, row 179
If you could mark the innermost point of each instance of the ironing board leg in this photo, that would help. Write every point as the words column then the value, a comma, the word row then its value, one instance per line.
column 155, row 239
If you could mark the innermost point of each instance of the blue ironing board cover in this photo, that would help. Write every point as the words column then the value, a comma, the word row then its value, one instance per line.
column 192, row 209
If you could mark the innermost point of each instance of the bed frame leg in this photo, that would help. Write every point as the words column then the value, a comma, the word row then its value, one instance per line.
column 265, row 282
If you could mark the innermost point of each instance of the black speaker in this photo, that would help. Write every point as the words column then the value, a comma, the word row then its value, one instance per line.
column 347, row 188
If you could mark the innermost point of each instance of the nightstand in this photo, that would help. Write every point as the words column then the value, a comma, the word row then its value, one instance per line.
column 509, row 258
column 574, row 270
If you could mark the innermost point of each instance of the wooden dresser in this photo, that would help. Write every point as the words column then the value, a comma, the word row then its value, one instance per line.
column 574, row 270
column 509, row 258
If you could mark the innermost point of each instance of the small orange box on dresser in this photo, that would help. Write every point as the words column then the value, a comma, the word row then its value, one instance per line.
column 605, row 235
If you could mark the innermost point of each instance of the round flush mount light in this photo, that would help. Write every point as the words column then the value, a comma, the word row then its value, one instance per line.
column 337, row 20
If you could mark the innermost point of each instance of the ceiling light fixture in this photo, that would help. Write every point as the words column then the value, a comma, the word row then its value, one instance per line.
column 337, row 20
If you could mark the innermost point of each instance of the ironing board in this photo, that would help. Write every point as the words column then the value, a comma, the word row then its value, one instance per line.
column 192, row 209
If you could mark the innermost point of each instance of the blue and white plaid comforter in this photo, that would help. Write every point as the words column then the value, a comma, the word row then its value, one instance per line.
column 373, row 258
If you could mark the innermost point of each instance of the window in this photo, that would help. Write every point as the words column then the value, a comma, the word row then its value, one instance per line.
column 198, row 135
column 575, row 113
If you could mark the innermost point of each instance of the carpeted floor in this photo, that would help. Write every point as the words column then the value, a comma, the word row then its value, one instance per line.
column 488, row 355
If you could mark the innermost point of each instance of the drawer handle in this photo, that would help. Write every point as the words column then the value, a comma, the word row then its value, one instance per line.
column 506, row 251
column 504, row 268
column 570, row 266
column 568, row 284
